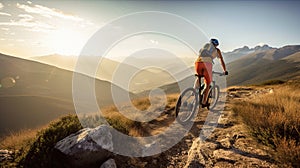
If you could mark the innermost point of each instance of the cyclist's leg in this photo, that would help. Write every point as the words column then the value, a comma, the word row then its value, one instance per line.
column 207, row 80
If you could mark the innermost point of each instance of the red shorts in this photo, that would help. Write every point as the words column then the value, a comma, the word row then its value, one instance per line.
column 206, row 68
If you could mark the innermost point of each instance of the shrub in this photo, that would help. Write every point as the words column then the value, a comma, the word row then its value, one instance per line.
column 40, row 153
column 288, row 152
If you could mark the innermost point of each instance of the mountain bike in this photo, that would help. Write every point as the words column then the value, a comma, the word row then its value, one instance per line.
column 189, row 100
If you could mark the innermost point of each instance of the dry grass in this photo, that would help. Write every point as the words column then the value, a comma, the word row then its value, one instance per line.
column 16, row 140
column 274, row 120
column 142, row 104
column 143, row 108
column 126, row 117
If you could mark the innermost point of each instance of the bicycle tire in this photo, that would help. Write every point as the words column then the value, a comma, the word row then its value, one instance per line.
column 183, row 107
column 213, row 97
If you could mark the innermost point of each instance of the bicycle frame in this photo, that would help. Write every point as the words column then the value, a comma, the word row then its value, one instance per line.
column 202, row 85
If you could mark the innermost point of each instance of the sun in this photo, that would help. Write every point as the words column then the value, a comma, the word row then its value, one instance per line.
column 67, row 41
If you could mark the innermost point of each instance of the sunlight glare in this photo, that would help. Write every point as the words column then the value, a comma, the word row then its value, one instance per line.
column 67, row 41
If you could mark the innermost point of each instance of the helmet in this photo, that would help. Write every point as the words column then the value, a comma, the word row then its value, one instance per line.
column 214, row 41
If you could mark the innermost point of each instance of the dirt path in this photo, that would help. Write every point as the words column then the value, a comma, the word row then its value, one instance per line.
column 229, row 145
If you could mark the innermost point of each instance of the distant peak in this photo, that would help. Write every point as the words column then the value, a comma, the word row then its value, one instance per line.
column 262, row 47
column 245, row 47
column 246, row 50
column 242, row 49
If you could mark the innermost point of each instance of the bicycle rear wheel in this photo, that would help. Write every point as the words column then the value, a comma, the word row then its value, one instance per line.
column 186, row 105
column 213, row 96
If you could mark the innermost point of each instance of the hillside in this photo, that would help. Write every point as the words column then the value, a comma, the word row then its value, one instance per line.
column 231, row 144
column 282, row 63
column 32, row 93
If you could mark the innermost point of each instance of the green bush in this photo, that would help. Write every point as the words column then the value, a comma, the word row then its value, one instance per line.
column 40, row 153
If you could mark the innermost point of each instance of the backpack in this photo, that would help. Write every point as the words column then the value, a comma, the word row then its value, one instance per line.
column 207, row 50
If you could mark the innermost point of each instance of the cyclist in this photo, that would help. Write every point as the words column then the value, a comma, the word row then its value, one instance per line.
column 203, row 66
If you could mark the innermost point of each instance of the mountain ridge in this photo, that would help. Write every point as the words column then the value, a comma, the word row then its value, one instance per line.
column 37, row 93
column 242, row 51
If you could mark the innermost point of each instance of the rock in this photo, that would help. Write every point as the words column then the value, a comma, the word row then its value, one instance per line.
column 86, row 148
column 4, row 151
column 233, row 95
column 110, row 163
column 6, row 155
column 152, row 149
column 271, row 91
column 188, row 141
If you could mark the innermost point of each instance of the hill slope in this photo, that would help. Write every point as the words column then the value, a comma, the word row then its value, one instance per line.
column 32, row 93
column 141, row 77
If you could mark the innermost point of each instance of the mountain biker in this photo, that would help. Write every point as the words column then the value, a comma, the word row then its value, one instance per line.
column 203, row 66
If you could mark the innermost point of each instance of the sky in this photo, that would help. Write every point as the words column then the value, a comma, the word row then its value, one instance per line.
column 44, row 27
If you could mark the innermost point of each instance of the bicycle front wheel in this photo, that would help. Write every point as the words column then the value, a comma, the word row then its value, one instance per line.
column 213, row 96
column 186, row 105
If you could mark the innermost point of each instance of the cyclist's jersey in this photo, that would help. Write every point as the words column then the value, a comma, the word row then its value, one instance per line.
column 216, row 53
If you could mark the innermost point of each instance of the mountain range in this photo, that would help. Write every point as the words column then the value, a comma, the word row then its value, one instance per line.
column 239, row 52
column 262, row 65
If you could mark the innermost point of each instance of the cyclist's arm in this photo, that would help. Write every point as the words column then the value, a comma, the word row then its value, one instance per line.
column 221, row 59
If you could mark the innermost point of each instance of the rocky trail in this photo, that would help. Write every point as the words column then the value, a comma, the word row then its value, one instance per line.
column 229, row 145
